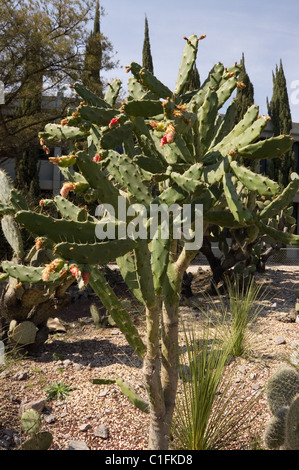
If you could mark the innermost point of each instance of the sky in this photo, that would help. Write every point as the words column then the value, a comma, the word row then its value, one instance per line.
column 265, row 31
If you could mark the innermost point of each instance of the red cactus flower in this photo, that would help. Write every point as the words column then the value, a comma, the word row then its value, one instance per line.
column 97, row 158
column 163, row 141
column 75, row 271
column 114, row 122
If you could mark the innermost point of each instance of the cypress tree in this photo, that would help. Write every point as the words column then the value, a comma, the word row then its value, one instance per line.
column 93, row 57
column 26, row 161
column 98, row 53
column 147, row 61
column 244, row 96
column 281, row 119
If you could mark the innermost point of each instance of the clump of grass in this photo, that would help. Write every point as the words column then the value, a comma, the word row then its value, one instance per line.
column 235, row 314
column 210, row 413
column 240, row 315
column 58, row 391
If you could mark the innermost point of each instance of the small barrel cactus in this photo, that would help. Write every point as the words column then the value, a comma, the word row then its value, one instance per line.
column 282, row 431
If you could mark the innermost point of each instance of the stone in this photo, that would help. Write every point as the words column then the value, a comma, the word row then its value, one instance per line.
column 55, row 326
column 22, row 375
column 289, row 317
column 37, row 405
column 50, row 418
column 279, row 340
column 101, row 431
column 84, row 427
column 78, row 445
column 66, row 363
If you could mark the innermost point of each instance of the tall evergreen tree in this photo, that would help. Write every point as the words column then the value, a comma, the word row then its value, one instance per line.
column 30, row 106
column 244, row 96
column 281, row 119
column 147, row 60
column 98, row 54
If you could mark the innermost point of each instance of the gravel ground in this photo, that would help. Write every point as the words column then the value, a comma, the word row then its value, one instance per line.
column 99, row 416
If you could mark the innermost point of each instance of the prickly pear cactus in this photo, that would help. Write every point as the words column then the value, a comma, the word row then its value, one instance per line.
column 282, row 430
column 31, row 421
column 161, row 148
column 32, row 286
column 31, row 424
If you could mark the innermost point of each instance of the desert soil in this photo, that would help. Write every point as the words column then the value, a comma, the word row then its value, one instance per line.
column 99, row 416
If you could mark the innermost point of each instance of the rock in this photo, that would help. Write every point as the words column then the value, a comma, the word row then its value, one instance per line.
column 78, row 445
column 55, row 326
column 84, row 427
column 289, row 317
column 37, row 405
column 22, row 375
column 279, row 340
column 101, row 431
column 256, row 386
column 50, row 418
column 66, row 363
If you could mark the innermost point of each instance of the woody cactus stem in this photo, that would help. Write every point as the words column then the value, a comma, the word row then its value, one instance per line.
column 176, row 150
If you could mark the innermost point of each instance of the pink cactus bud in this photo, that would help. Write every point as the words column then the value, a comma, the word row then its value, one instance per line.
column 66, row 188
column 114, row 122
column 169, row 137
column 46, row 275
column 42, row 142
column 38, row 243
column 153, row 124
column 54, row 160
column 46, row 149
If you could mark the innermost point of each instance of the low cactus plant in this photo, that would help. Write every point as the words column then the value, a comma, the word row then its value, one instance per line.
column 31, row 424
column 175, row 149
column 282, row 430
column 30, row 294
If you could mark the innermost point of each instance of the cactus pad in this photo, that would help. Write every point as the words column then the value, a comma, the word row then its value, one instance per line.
column 24, row 333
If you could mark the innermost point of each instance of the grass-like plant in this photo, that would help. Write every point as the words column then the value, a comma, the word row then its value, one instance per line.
column 235, row 313
column 57, row 391
column 209, row 411
column 240, row 315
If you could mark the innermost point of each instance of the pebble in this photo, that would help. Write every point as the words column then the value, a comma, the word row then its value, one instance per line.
column 78, row 445
column 84, row 427
column 37, row 405
column 101, row 431
column 50, row 418
column 279, row 340
column 22, row 375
